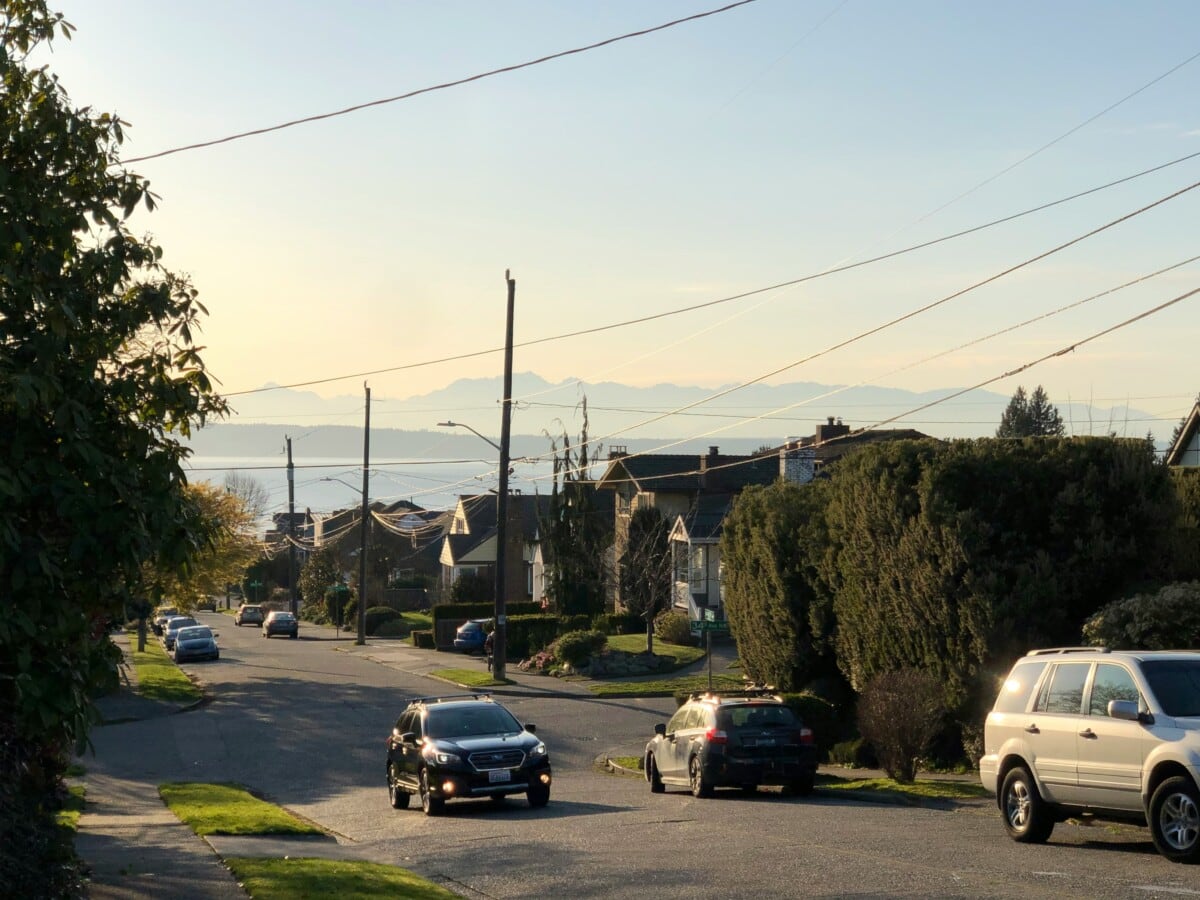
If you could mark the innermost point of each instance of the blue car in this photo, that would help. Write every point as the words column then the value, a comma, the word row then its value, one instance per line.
column 471, row 635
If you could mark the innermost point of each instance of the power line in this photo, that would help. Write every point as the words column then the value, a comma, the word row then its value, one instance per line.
column 722, row 300
column 437, row 87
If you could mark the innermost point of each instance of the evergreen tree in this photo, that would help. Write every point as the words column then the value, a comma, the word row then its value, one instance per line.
column 645, row 568
column 1030, row 416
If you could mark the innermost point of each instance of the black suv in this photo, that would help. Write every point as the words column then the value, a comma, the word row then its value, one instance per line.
column 732, row 739
column 464, row 745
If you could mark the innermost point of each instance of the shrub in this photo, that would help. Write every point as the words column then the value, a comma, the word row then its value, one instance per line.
column 579, row 622
column 423, row 638
column 377, row 615
column 619, row 623
column 529, row 633
column 317, row 613
column 392, row 628
column 1166, row 620
column 855, row 754
column 577, row 647
column 672, row 626
column 901, row 713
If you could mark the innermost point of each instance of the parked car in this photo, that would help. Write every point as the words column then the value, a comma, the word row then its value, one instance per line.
column 161, row 615
column 1107, row 734
column 196, row 642
column 248, row 614
column 732, row 739
column 471, row 635
column 171, row 629
column 464, row 745
column 280, row 622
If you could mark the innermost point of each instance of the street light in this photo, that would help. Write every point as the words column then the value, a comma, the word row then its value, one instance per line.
column 499, row 634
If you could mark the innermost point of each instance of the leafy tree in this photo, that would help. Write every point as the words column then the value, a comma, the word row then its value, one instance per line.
column 1168, row 619
column 100, row 382
column 575, row 534
column 645, row 568
column 777, row 605
column 1033, row 416
column 472, row 588
column 320, row 572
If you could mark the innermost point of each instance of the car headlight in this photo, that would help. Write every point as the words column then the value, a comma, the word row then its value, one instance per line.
column 539, row 750
column 441, row 757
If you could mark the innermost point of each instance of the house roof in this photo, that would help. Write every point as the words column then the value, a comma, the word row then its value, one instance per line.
column 689, row 472
column 704, row 521
column 835, row 448
column 1187, row 434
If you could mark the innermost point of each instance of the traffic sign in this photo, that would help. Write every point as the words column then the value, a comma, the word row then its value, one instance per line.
column 707, row 625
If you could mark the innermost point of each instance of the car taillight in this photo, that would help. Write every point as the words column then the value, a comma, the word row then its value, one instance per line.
column 716, row 736
column 804, row 736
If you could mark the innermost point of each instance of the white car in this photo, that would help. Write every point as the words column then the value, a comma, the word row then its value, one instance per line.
column 1111, row 734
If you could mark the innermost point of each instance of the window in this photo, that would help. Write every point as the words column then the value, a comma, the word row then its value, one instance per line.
column 680, row 552
column 1063, row 691
column 624, row 498
column 1111, row 683
column 1176, row 685
column 1015, row 694
column 698, row 570
column 677, row 720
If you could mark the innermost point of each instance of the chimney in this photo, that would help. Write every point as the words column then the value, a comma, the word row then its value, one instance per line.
column 617, row 451
column 829, row 430
column 796, row 462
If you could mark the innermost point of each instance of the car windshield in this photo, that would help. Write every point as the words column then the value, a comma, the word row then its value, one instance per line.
column 176, row 624
column 470, row 720
column 470, row 626
column 760, row 715
column 282, row 617
column 197, row 633
column 1176, row 684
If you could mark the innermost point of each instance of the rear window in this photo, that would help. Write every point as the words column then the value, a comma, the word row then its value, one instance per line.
column 762, row 715
column 1176, row 685
column 1018, row 687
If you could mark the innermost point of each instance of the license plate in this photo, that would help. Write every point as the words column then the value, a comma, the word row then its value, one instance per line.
column 496, row 775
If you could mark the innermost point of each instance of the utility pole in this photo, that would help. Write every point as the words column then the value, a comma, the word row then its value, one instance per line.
column 366, row 512
column 291, row 530
column 499, row 640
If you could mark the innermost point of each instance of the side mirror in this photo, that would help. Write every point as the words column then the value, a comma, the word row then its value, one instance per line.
column 1128, row 710
column 660, row 729
column 530, row 727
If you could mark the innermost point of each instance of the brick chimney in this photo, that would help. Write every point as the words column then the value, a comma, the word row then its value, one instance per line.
column 796, row 462
column 829, row 430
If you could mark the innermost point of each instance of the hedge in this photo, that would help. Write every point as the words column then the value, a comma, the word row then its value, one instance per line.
column 619, row 623
column 377, row 615
column 423, row 638
column 528, row 634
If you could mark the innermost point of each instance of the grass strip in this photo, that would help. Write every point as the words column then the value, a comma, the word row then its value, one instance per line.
column 158, row 676
column 469, row 677
column 666, row 687
column 636, row 643
column 887, row 789
column 287, row 879
column 228, row 809
column 628, row 762
column 68, row 816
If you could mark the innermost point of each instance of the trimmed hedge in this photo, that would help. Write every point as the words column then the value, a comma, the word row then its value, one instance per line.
column 619, row 623
column 422, row 638
column 528, row 634
column 672, row 626
column 577, row 647
column 393, row 628
column 378, row 615
column 463, row 611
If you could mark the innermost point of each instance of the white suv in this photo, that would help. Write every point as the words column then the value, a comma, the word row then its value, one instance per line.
column 1111, row 734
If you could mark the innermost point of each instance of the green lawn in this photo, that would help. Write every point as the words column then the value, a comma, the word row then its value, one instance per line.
column 636, row 643
column 158, row 676
column 68, row 816
column 228, row 809
column 417, row 619
column 288, row 879
column 887, row 789
column 666, row 687
column 469, row 677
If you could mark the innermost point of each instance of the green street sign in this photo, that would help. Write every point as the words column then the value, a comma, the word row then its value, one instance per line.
column 706, row 625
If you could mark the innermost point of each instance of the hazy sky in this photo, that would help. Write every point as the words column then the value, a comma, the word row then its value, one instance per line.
column 720, row 156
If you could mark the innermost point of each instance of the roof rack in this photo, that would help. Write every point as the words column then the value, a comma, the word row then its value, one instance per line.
column 475, row 695
column 1050, row 650
column 721, row 694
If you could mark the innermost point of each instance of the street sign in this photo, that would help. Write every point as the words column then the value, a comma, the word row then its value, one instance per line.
column 706, row 625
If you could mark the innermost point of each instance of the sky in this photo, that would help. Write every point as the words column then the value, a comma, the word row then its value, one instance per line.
column 720, row 156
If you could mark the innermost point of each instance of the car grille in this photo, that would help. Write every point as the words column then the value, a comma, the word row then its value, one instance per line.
column 483, row 760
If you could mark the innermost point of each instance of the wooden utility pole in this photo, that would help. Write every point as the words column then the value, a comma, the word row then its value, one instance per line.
column 499, row 639
column 366, row 512
column 295, row 605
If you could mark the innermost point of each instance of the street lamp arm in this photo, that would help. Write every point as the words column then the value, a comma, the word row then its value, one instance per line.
column 470, row 429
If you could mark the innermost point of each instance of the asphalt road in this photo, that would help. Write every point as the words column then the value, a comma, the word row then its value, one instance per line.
column 304, row 722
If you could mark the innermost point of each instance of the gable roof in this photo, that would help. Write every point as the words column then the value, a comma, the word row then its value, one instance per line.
column 689, row 472
column 704, row 521
column 1178, row 454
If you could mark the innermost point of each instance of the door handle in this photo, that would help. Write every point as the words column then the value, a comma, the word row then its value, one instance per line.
column 1088, row 733
column 1032, row 729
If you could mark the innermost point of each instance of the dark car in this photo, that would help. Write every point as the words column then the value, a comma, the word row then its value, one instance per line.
column 280, row 622
column 471, row 636
column 248, row 614
column 171, row 629
column 732, row 739
column 460, row 746
column 161, row 615
column 196, row 642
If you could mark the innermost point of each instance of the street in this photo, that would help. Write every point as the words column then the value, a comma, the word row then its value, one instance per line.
column 303, row 722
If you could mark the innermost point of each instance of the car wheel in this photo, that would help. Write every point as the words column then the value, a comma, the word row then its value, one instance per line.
column 397, row 796
column 1026, row 817
column 799, row 787
column 296, row 635
column 538, row 795
column 653, row 776
column 749, row 788
column 701, row 787
column 430, row 804
column 1175, row 820
column 498, row 799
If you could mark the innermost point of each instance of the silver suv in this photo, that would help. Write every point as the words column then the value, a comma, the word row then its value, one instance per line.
column 1110, row 734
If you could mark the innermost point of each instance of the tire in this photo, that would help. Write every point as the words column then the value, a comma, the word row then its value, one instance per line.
column 1175, row 820
column 1026, row 818
column 294, row 636
column 800, row 787
column 701, row 787
column 498, row 799
column 397, row 796
column 653, row 776
column 430, row 805
column 538, row 795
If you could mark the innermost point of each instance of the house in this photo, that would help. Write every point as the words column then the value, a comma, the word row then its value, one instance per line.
column 469, row 545
column 695, row 493
column 1186, row 449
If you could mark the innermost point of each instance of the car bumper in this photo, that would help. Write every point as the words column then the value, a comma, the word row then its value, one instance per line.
column 291, row 632
column 468, row 648
column 726, row 771
column 450, row 784
column 989, row 770
column 189, row 655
